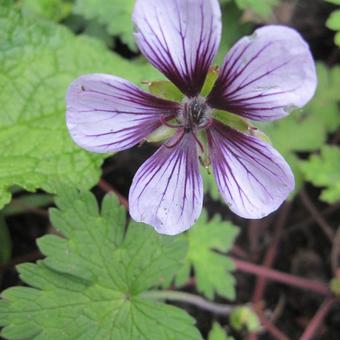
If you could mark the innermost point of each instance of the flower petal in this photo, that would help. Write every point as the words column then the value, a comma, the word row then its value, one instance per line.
column 109, row 114
column 180, row 38
column 252, row 177
column 266, row 76
column 167, row 191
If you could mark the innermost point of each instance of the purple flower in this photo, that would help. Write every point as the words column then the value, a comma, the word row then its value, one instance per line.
column 263, row 77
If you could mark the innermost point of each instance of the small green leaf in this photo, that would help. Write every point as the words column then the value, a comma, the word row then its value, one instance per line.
column 323, row 170
column 90, row 284
column 212, row 269
column 166, row 90
column 218, row 333
column 244, row 317
column 333, row 22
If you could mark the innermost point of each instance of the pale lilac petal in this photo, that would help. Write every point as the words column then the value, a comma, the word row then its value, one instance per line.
column 180, row 38
column 252, row 177
column 266, row 76
column 167, row 191
column 109, row 114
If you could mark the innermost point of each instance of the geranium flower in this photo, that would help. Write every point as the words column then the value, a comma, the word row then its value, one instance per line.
column 263, row 77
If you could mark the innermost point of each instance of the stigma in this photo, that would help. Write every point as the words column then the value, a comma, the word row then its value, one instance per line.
column 195, row 114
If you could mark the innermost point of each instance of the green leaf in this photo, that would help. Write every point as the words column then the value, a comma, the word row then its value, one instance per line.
column 207, row 240
column 218, row 333
column 333, row 22
column 54, row 10
column 324, row 171
column 90, row 284
column 114, row 14
column 38, row 61
column 5, row 242
column 263, row 8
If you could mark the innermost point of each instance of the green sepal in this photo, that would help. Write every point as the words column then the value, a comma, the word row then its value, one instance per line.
column 260, row 135
column 210, row 81
column 160, row 134
column 232, row 120
column 166, row 90
column 240, row 124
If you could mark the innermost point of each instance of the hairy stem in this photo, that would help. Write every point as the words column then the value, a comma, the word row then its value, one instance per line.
column 189, row 298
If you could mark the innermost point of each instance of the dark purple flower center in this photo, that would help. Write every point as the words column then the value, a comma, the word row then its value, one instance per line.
column 195, row 115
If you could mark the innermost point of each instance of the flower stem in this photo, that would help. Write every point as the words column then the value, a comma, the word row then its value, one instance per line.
column 271, row 253
column 106, row 187
column 189, row 298
column 275, row 275
column 311, row 330
column 325, row 227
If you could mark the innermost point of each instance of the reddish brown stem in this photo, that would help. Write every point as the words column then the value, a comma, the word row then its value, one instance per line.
column 33, row 210
column 311, row 331
column 271, row 253
column 275, row 275
column 325, row 227
column 272, row 329
column 239, row 252
column 106, row 187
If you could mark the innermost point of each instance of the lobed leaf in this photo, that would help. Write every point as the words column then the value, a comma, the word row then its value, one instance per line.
column 90, row 284
column 208, row 243
column 323, row 170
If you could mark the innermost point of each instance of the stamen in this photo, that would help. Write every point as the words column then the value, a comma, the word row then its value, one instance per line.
column 176, row 142
column 174, row 126
column 207, row 125
column 198, row 142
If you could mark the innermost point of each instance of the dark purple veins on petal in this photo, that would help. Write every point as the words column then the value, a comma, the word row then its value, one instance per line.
column 167, row 190
column 252, row 177
column 108, row 114
column 180, row 38
column 265, row 76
